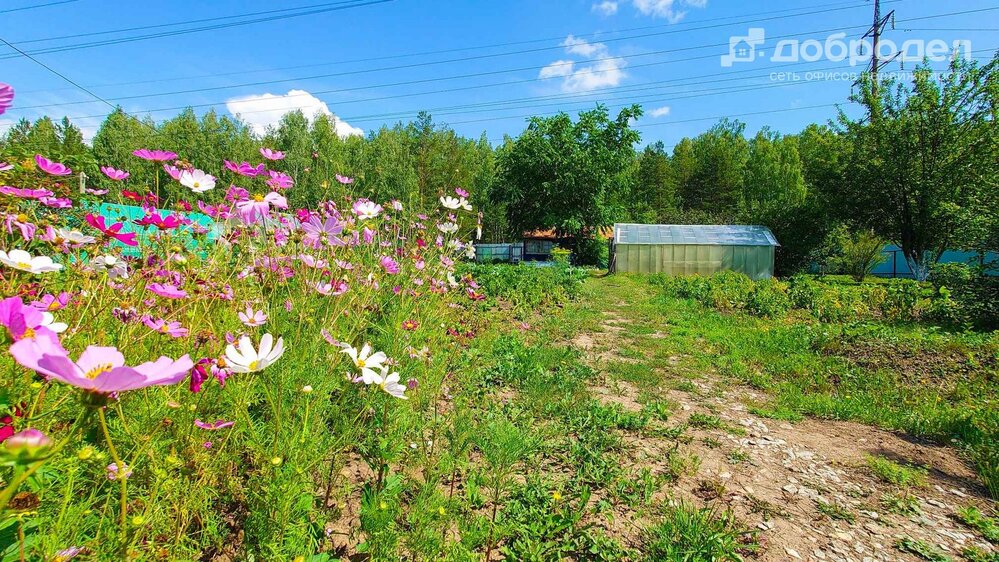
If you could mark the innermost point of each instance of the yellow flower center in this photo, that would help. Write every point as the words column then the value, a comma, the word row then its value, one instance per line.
column 29, row 334
column 93, row 373
column 197, row 184
column 360, row 363
column 253, row 365
column 22, row 218
column 258, row 198
column 164, row 328
column 54, row 305
column 23, row 265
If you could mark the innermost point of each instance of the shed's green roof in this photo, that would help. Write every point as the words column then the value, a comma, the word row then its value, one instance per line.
column 694, row 234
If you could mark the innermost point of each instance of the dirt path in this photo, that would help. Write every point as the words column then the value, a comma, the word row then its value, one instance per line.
column 804, row 485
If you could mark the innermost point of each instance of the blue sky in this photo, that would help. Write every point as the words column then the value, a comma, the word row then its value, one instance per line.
column 478, row 66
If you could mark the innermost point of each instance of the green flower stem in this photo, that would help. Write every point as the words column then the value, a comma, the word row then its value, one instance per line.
column 121, row 471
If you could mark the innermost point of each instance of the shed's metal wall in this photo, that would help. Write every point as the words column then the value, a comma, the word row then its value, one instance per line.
column 694, row 259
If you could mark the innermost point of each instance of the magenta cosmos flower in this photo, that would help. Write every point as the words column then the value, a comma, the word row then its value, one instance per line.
column 115, row 174
column 52, row 168
column 173, row 171
column 280, row 180
column 246, row 169
column 272, row 154
column 166, row 290
column 155, row 155
column 100, row 370
column 113, row 231
column 25, row 322
column 6, row 97
column 215, row 425
column 163, row 223
column 389, row 265
column 25, row 193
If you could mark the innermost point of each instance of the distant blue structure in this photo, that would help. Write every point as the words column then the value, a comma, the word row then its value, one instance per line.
column 896, row 266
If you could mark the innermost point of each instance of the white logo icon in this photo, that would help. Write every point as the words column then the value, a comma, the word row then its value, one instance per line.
column 742, row 48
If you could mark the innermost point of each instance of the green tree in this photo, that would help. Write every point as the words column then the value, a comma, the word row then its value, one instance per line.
column 924, row 158
column 563, row 174
column 720, row 156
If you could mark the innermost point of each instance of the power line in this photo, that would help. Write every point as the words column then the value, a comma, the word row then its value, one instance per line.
column 59, row 74
column 355, row 4
column 470, row 75
column 37, row 6
column 850, row 5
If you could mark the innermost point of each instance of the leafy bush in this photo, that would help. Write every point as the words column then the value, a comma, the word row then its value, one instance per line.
column 860, row 253
column 970, row 297
column 528, row 287
column 769, row 298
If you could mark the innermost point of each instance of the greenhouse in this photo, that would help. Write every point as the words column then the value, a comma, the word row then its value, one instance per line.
column 693, row 249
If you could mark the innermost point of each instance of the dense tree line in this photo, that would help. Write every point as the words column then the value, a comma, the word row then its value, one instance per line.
column 919, row 169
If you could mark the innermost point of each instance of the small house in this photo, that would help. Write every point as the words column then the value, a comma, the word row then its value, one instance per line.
column 693, row 249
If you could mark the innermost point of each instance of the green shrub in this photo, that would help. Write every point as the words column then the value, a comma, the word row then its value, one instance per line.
column 860, row 253
column 687, row 534
column 769, row 298
column 525, row 286
column 970, row 297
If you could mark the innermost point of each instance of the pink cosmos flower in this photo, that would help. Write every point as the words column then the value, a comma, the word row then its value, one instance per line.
column 163, row 223
column 116, row 175
column 259, row 206
column 344, row 179
column 245, row 168
column 25, row 193
column 334, row 289
column 272, row 154
column 318, row 231
column 6, row 97
column 461, row 192
column 155, row 155
column 389, row 265
column 113, row 231
column 51, row 303
column 97, row 192
column 172, row 329
column 172, row 171
column 166, row 290
column 100, row 370
column 114, row 473
column 52, row 168
column 25, row 323
column 27, row 441
column 56, row 202
column 280, row 180
column 252, row 318
column 4, row 167
column 215, row 425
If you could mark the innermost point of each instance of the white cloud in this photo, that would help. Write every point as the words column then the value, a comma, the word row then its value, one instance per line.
column 660, row 111
column 266, row 110
column 667, row 9
column 601, row 70
column 556, row 69
column 606, row 8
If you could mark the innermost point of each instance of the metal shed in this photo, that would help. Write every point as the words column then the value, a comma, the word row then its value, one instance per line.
column 693, row 249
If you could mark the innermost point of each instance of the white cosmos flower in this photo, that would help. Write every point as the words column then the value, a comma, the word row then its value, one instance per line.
column 366, row 362
column 73, row 237
column 391, row 385
column 197, row 180
column 114, row 266
column 470, row 250
column 448, row 227
column 252, row 318
column 249, row 360
column 48, row 321
column 452, row 203
column 19, row 259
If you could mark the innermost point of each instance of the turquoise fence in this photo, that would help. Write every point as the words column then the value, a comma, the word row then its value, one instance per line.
column 128, row 214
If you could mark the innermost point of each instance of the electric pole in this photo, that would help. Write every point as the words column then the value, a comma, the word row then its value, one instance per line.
column 875, row 34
